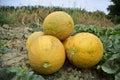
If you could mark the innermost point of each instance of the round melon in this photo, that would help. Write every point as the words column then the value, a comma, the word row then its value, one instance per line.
column 32, row 37
column 84, row 50
column 46, row 54
column 58, row 24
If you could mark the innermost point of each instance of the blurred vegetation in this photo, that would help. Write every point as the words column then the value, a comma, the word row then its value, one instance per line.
column 4, row 19
column 35, row 15
column 114, row 11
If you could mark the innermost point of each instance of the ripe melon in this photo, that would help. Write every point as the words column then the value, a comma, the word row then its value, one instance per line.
column 58, row 24
column 46, row 54
column 32, row 37
column 84, row 50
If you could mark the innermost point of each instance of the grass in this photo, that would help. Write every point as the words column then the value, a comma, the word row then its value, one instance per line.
column 36, row 15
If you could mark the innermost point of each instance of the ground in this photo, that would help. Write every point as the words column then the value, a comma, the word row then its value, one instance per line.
column 17, row 55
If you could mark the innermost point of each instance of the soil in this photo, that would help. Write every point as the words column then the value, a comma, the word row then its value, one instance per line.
column 17, row 55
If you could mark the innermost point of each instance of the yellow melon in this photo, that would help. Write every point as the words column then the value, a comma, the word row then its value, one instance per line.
column 84, row 50
column 32, row 37
column 46, row 54
column 58, row 24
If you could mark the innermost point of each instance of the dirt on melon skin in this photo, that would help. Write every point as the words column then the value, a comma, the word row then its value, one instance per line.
column 84, row 50
column 32, row 37
column 47, row 54
column 59, row 24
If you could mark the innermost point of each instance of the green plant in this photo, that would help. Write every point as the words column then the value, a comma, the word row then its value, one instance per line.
column 3, row 47
column 19, row 73
column 111, row 64
column 4, row 19
column 34, row 27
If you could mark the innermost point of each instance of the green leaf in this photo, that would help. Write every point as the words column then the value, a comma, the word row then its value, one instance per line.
column 23, row 73
column 37, row 77
column 109, row 67
column 4, row 50
column 31, row 76
column 14, row 69
column 115, row 56
column 4, row 75
column 3, row 42
column 19, row 70
column 117, row 76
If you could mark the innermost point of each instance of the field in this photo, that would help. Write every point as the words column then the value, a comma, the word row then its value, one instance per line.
column 16, row 24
